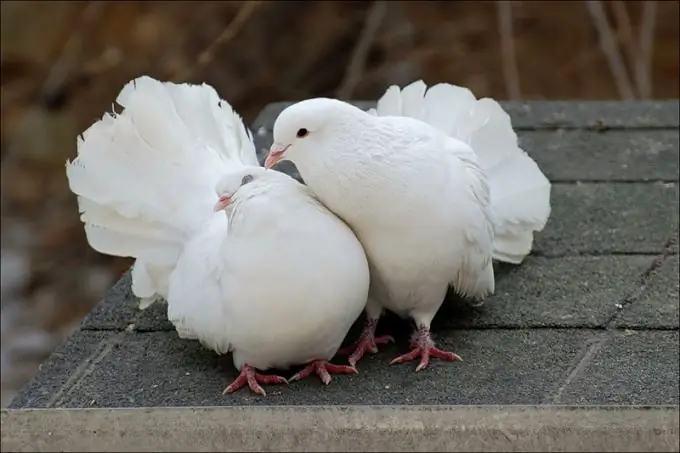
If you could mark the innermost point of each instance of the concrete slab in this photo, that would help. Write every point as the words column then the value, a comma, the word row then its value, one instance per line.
column 549, row 336
column 357, row 428
column 631, row 368
column 609, row 218
column 159, row 369
column 658, row 306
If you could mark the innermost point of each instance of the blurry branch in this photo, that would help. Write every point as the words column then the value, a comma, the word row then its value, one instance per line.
column 232, row 30
column 510, row 71
column 640, row 50
column 610, row 49
column 625, row 32
column 374, row 19
column 643, row 66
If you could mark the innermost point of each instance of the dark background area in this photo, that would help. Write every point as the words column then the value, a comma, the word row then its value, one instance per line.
column 63, row 64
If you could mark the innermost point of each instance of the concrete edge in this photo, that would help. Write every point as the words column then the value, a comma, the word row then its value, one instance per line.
column 356, row 428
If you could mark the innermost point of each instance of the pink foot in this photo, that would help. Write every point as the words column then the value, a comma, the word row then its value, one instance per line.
column 423, row 347
column 249, row 376
column 367, row 343
column 323, row 369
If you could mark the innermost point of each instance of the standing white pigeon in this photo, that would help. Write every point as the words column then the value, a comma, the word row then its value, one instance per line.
column 433, row 184
column 247, row 259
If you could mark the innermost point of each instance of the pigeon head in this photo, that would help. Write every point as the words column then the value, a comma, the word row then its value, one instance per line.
column 229, row 185
column 305, row 129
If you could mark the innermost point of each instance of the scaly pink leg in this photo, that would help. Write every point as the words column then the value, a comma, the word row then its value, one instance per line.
column 367, row 343
column 423, row 347
column 324, row 369
column 249, row 376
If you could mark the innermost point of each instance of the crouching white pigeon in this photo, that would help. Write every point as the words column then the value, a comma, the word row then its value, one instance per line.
column 247, row 258
column 433, row 184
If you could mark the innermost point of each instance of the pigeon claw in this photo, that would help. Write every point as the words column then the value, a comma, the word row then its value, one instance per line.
column 423, row 347
column 368, row 343
column 425, row 354
column 323, row 369
column 249, row 376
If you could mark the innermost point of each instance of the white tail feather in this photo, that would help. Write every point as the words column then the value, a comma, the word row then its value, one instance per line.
column 145, row 177
column 520, row 192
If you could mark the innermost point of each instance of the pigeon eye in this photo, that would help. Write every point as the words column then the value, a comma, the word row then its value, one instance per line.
column 246, row 179
column 302, row 133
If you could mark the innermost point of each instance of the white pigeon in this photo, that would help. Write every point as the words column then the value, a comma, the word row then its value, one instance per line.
column 247, row 258
column 433, row 184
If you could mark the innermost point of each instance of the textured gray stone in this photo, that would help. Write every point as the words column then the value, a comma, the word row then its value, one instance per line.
column 116, row 311
column 598, row 115
column 159, row 369
column 609, row 218
column 119, row 310
column 618, row 155
column 633, row 368
column 657, row 306
column 76, row 356
column 549, row 292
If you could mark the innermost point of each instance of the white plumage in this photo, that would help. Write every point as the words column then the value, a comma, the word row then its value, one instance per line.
column 433, row 183
column 278, row 280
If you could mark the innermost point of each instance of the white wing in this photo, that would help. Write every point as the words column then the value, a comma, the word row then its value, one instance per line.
column 145, row 177
column 520, row 192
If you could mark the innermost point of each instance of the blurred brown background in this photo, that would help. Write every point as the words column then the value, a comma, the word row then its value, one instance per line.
column 63, row 64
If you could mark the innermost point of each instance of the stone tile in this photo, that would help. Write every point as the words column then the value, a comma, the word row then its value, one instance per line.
column 657, row 306
column 75, row 357
column 618, row 155
column 116, row 311
column 500, row 367
column 154, row 318
column 551, row 292
column 119, row 310
column 634, row 368
column 609, row 218
column 597, row 115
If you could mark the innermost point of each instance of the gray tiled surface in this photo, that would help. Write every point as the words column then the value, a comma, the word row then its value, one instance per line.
column 581, row 321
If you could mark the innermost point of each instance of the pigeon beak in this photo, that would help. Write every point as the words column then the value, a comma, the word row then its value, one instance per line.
column 275, row 155
column 222, row 203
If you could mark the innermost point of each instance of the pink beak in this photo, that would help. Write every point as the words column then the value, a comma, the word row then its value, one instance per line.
column 222, row 203
column 275, row 155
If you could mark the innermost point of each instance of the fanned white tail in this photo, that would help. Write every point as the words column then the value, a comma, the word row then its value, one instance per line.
column 145, row 178
column 520, row 192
